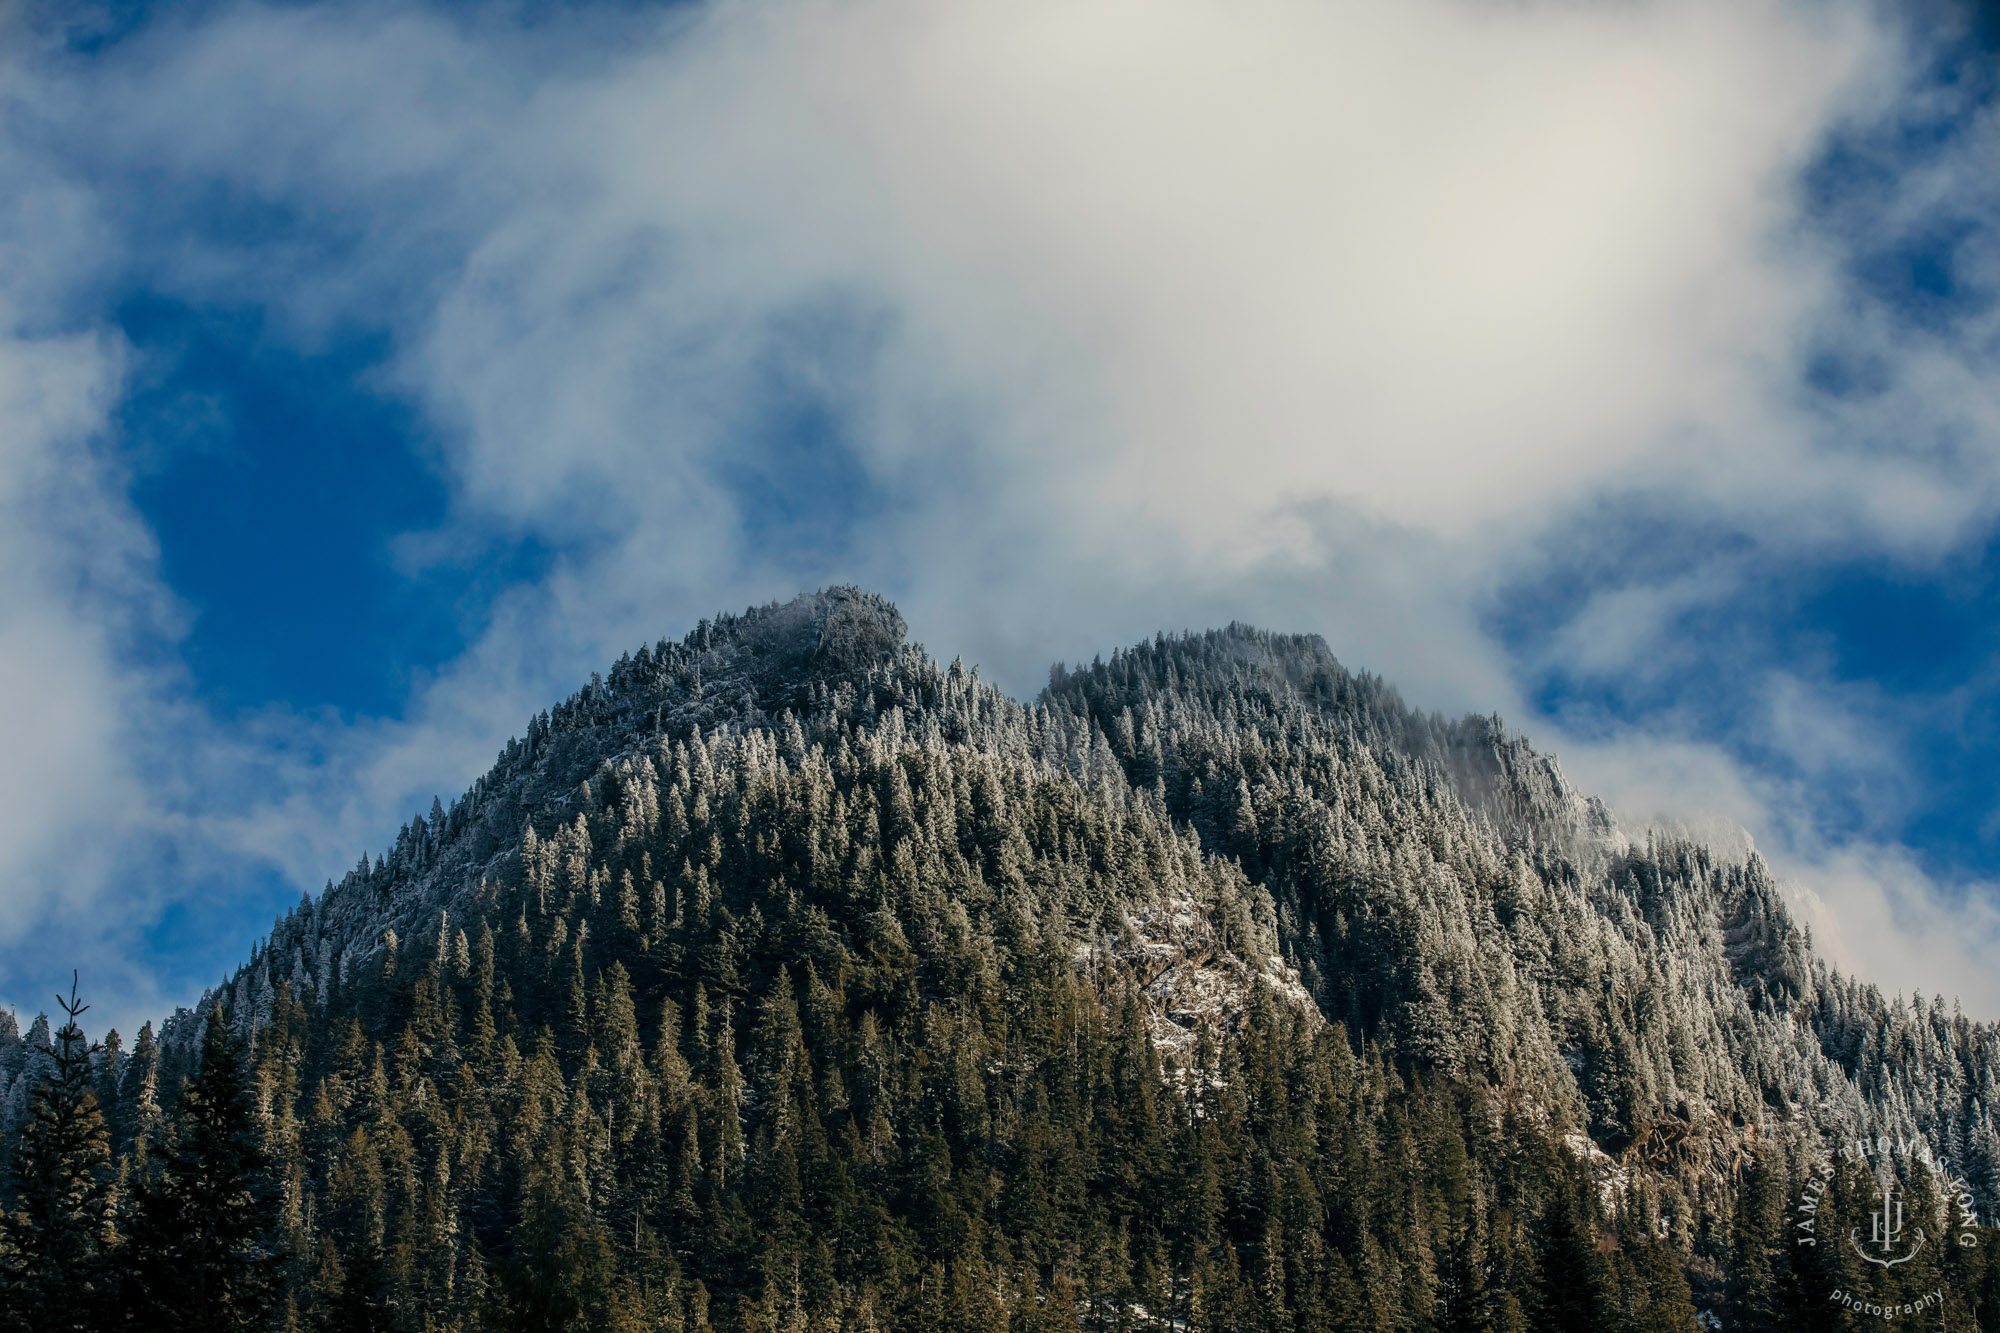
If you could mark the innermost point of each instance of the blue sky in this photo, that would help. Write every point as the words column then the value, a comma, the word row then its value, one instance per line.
column 371, row 373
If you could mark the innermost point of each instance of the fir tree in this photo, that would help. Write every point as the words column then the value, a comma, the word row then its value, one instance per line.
column 54, row 1269
column 201, row 1255
column 1572, row 1270
column 823, row 987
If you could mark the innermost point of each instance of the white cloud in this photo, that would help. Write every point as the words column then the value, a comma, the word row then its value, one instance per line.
column 1876, row 914
column 61, row 695
column 1629, row 630
column 79, row 718
column 1441, row 263
column 1873, row 909
column 72, row 568
column 1328, row 316
column 1202, row 261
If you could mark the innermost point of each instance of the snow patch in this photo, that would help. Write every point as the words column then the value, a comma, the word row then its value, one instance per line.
column 1190, row 979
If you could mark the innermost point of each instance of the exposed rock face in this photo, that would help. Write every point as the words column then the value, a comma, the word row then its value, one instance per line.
column 1193, row 983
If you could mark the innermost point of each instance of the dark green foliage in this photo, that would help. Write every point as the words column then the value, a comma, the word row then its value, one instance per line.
column 1759, row 1247
column 785, row 980
column 351, row 1297
column 200, row 1254
column 1572, row 1294
column 53, row 1270
column 561, row 1266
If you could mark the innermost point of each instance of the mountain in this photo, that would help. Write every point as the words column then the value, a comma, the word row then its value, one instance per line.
column 784, row 977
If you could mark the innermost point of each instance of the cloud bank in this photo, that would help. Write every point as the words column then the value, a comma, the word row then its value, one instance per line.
column 1093, row 318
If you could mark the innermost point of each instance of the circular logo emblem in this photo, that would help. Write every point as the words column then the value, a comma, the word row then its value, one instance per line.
column 1871, row 1225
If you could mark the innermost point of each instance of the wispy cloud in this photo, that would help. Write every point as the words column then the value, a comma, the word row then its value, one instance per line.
column 1113, row 316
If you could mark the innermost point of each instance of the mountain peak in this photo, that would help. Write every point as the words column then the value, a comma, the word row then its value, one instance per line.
column 785, row 900
column 836, row 632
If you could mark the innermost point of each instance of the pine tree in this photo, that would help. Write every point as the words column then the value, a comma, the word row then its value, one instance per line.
column 201, row 1256
column 54, row 1273
column 559, row 1277
column 973, row 1079
column 347, row 1298
column 1756, row 1298
column 1572, row 1270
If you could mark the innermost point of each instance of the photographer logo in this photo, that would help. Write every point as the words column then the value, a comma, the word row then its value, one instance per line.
column 1877, row 1222
column 1884, row 1246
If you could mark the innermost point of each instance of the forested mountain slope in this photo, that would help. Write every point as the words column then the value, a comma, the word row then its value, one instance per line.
column 785, row 977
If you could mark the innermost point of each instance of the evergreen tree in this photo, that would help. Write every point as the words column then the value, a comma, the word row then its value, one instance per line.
column 1756, row 1296
column 1571, row 1296
column 350, row 1297
column 201, row 1255
column 560, row 1275
column 54, row 1243
column 785, row 980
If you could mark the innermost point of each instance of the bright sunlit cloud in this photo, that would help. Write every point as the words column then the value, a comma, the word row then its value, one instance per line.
column 1060, row 322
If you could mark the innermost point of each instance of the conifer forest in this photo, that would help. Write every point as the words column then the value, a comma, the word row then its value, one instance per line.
column 786, row 979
